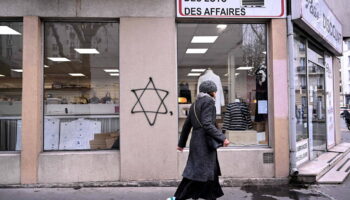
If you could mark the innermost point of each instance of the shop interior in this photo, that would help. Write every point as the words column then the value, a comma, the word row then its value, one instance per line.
column 234, row 57
column 10, row 85
column 81, row 86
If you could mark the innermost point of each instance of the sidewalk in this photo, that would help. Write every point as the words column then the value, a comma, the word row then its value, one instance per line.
column 157, row 193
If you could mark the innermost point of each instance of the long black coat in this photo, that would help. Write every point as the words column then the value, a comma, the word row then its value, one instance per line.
column 202, row 164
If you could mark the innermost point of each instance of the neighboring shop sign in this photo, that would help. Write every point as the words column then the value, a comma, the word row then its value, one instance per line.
column 329, row 101
column 231, row 8
column 302, row 153
column 317, row 16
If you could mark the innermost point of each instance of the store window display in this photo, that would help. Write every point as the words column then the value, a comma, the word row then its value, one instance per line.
column 81, row 89
column 10, row 85
column 234, row 57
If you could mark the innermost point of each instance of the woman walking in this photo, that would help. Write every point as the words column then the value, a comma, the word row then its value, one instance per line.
column 202, row 171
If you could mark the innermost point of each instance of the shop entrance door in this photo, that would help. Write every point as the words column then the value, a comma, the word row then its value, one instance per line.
column 317, row 126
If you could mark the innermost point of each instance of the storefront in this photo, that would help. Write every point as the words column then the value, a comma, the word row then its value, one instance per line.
column 92, row 96
column 317, row 40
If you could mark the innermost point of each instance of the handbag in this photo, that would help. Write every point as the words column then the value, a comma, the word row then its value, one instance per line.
column 212, row 143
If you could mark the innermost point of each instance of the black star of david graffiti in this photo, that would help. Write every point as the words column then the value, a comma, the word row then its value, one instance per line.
column 150, row 86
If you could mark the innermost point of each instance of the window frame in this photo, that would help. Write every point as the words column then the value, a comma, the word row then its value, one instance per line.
column 265, row 22
column 77, row 20
column 15, row 20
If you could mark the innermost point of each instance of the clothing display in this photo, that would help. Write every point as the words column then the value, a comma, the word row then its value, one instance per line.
column 237, row 117
column 261, row 91
column 220, row 100
column 185, row 92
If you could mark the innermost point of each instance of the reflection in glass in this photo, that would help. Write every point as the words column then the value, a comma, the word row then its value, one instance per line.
column 236, row 61
column 81, row 99
column 317, row 108
column 301, row 102
column 10, row 85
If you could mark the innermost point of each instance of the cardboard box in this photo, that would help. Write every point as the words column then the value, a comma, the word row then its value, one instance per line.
column 247, row 137
column 103, row 140
column 101, row 136
column 96, row 146
column 110, row 142
column 259, row 126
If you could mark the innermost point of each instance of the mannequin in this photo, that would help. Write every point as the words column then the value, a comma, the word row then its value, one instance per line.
column 210, row 75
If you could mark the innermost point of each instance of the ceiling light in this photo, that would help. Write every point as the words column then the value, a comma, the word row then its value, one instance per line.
column 76, row 74
column 114, row 74
column 58, row 59
column 221, row 26
column 111, row 70
column 236, row 74
column 204, row 39
column 193, row 74
column 5, row 30
column 196, row 51
column 244, row 68
column 17, row 70
column 45, row 66
column 1, row 75
column 264, row 52
column 198, row 70
column 86, row 51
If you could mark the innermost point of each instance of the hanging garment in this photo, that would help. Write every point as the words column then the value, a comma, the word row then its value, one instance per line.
column 220, row 100
column 237, row 117
column 261, row 91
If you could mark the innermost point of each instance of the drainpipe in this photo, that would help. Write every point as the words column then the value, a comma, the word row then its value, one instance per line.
column 291, row 85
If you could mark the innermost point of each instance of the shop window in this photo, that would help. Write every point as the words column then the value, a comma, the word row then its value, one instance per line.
column 81, row 86
column 10, row 85
column 235, row 56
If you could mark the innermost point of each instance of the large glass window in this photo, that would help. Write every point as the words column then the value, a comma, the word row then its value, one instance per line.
column 81, row 98
column 234, row 57
column 10, row 85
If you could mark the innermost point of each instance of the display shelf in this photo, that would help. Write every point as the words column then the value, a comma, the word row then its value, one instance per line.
column 51, row 89
column 10, row 117
column 8, row 89
column 80, row 116
column 67, row 89
column 313, row 74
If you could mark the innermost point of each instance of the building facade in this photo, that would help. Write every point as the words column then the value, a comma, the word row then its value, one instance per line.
column 343, row 16
column 345, row 75
column 98, row 90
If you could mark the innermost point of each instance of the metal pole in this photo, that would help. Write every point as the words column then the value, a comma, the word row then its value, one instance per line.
column 291, row 85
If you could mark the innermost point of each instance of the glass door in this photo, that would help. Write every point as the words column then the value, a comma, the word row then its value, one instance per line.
column 317, row 127
column 310, row 100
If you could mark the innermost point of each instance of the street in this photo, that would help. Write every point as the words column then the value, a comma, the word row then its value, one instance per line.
column 158, row 193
